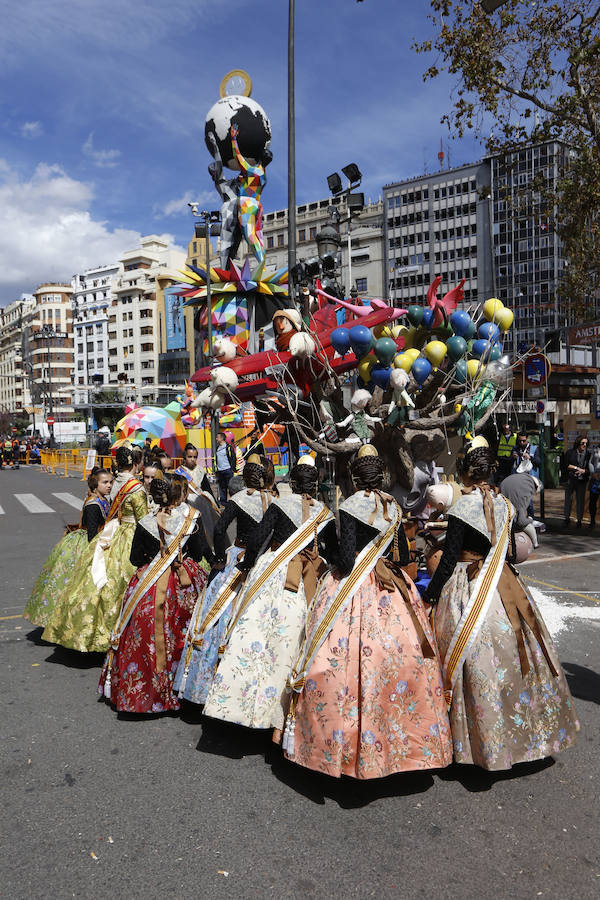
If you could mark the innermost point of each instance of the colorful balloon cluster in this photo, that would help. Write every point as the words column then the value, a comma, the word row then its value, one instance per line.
column 420, row 348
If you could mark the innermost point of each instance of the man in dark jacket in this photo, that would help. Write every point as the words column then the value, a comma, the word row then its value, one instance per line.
column 578, row 462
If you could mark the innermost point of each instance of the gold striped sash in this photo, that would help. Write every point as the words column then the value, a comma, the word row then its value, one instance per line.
column 130, row 487
column 293, row 545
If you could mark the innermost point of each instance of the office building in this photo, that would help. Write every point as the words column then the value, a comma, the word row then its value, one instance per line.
column 438, row 224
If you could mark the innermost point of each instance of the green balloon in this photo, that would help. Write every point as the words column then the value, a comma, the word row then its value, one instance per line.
column 457, row 347
column 471, row 331
column 385, row 350
column 415, row 315
column 469, row 347
column 460, row 373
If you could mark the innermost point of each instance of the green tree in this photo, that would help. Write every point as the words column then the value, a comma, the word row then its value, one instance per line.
column 533, row 69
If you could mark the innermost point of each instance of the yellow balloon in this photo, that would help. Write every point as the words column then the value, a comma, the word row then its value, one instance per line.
column 435, row 351
column 504, row 319
column 491, row 308
column 474, row 368
column 403, row 361
column 381, row 331
column 365, row 366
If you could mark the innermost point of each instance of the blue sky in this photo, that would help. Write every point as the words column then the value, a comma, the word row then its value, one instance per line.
column 104, row 101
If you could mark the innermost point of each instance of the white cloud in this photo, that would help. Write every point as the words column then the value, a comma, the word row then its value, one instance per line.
column 104, row 159
column 180, row 207
column 32, row 130
column 47, row 230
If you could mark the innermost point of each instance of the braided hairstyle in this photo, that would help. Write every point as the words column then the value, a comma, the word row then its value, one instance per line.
column 137, row 455
column 269, row 468
column 179, row 488
column 254, row 476
column 304, row 479
column 367, row 472
column 92, row 480
column 478, row 464
column 160, row 491
column 124, row 458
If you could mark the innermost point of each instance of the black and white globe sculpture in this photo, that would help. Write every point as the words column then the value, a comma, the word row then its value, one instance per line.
column 254, row 129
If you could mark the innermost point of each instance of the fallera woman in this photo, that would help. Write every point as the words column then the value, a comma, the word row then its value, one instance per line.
column 88, row 608
column 507, row 695
column 366, row 696
column 172, row 558
column 264, row 635
column 213, row 611
column 63, row 559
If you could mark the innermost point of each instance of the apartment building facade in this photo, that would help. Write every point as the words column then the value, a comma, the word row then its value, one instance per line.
column 439, row 224
column 91, row 300
column 15, row 375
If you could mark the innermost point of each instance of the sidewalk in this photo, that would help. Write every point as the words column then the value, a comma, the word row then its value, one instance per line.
column 554, row 499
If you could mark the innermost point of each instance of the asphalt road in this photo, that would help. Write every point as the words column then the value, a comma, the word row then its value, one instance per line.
column 97, row 805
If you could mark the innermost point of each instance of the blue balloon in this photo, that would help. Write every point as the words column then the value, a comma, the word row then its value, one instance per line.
column 380, row 375
column 460, row 322
column 360, row 340
column 482, row 348
column 421, row 369
column 489, row 331
column 428, row 315
column 340, row 340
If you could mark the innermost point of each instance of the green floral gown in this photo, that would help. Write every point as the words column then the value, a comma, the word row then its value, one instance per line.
column 84, row 617
column 59, row 568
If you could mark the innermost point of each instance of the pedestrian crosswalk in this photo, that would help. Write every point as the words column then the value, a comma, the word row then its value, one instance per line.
column 35, row 505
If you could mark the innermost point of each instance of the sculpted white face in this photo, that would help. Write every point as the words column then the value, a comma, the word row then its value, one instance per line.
column 282, row 325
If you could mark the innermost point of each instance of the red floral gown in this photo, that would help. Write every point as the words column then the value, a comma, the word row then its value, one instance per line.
column 143, row 668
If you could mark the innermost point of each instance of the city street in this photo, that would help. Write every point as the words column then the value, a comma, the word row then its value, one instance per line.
column 97, row 805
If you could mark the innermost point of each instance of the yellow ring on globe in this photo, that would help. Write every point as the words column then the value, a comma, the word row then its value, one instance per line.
column 236, row 73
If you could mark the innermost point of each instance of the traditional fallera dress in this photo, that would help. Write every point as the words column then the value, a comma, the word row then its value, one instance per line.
column 62, row 560
column 213, row 611
column 84, row 616
column 508, row 698
column 264, row 635
column 366, row 690
column 147, row 639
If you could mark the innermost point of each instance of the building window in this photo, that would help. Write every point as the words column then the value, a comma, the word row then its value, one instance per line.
column 270, row 242
column 280, row 240
column 361, row 285
column 302, row 234
column 312, row 233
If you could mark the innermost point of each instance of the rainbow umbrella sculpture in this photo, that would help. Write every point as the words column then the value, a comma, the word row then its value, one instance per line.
column 162, row 425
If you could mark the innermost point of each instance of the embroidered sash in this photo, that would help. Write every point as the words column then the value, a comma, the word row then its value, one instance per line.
column 475, row 611
column 130, row 487
column 294, row 544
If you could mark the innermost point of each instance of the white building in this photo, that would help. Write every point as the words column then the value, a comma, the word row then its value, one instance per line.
column 439, row 224
column 134, row 316
column 91, row 299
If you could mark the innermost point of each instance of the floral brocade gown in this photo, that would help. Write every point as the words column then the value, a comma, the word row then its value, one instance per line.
column 136, row 685
column 372, row 703
column 84, row 617
column 60, row 565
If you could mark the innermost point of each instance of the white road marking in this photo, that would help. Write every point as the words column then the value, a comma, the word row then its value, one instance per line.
column 33, row 504
column 546, row 559
column 71, row 499
column 559, row 617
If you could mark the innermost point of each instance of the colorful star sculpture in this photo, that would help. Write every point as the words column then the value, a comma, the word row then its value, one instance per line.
column 230, row 281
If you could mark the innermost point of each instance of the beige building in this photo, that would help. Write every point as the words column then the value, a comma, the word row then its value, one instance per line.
column 361, row 245
column 51, row 348
column 14, row 380
column 134, row 329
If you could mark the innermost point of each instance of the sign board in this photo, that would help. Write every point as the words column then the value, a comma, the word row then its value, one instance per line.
column 583, row 423
column 540, row 406
column 90, row 460
column 536, row 392
column 404, row 270
column 588, row 333
column 50, row 420
column 526, row 406
column 536, row 369
column 13, row 430
column 174, row 320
